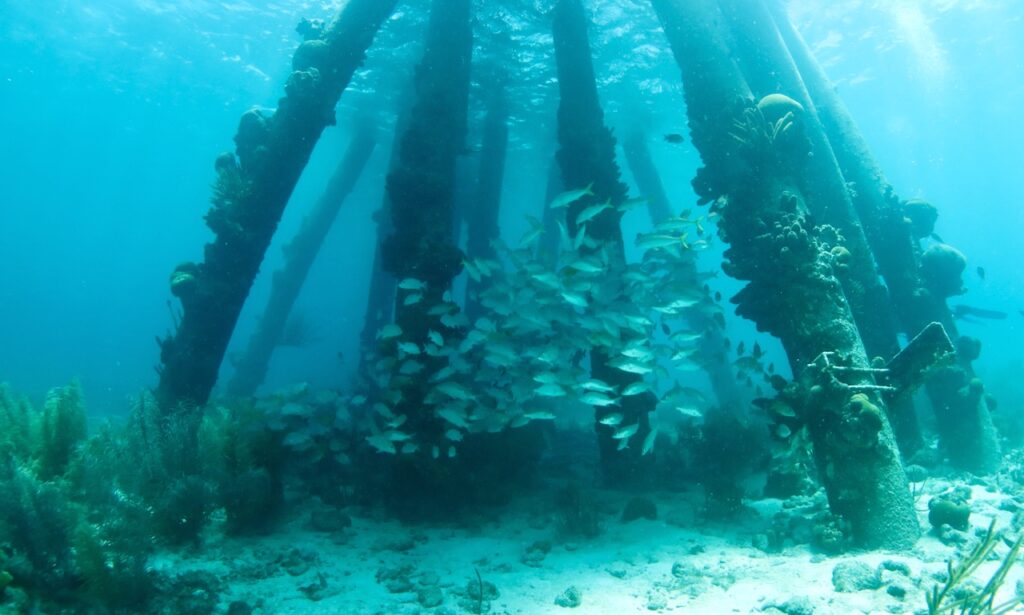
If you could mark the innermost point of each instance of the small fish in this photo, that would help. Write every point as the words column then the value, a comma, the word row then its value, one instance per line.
column 389, row 331
column 635, row 388
column 782, row 409
column 648, row 445
column 548, row 279
column 440, row 310
column 455, row 321
column 611, row 420
column 633, row 367
column 981, row 272
column 382, row 443
column 412, row 284
column 757, row 352
column 739, row 348
column 587, row 265
column 626, row 432
column 410, row 367
column 581, row 235
column 540, row 416
column 519, row 421
column 412, row 299
column 454, row 417
column 568, row 198
column 597, row 385
column 455, row 390
column 563, row 236
column 674, row 138
column 600, row 400
column 574, row 298
column 550, row 390
column 964, row 311
column 690, row 411
column 637, row 352
column 591, row 212
column 531, row 236
column 632, row 203
column 683, row 303
column 685, row 337
column 472, row 271
column 546, row 378
column 435, row 338
column 783, row 431
column 409, row 348
column 652, row 241
column 454, row 435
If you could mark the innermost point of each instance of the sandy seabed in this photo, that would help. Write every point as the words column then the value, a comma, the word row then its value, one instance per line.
column 676, row 563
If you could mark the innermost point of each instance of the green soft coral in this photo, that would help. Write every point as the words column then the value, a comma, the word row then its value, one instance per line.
column 62, row 429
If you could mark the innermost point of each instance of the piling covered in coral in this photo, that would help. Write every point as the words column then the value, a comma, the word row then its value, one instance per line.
column 771, row 71
column 919, row 282
column 587, row 158
column 754, row 163
column 252, row 188
column 299, row 254
column 421, row 190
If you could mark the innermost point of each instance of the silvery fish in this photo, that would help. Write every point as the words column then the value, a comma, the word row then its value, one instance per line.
column 597, row 385
column 648, row 445
column 568, row 198
column 409, row 348
column 389, row 331
column 690, row 411
column 574, row 298
column 594, row 398
column 591, row 212
column 540, row 416
column 635, row 388
column 629, row 204
column 626, row 432
column 550, row 390
column 412, row 284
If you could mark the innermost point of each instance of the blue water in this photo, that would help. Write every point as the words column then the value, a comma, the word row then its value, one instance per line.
column 111, row 114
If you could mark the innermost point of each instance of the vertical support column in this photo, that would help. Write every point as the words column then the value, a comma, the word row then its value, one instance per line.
column 587, row 156
column 380, row 301
column 299, row 253
column 547, row 248
column 787, row 261
column 482, row 219
column 421, row 192
column 894, row 229
column 249, row 197
column 638, row 157
column 769, row 69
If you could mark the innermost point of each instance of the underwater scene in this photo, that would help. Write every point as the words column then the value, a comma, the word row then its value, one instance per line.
column 446, row 307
